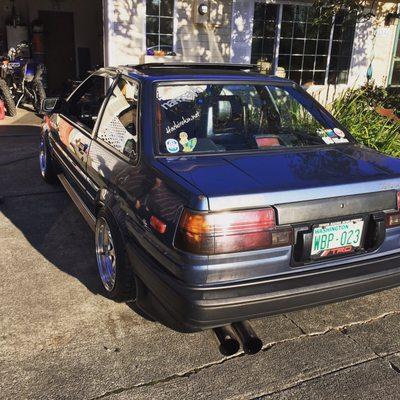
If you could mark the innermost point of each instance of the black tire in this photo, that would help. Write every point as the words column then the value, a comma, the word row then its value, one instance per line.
column 48, row 169
column 40, row 95
column 6, row 96
column 122, row 288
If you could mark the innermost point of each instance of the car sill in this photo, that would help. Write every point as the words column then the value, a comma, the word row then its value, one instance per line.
column 89, row 217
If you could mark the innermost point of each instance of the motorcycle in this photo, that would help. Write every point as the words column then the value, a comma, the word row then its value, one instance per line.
column 5, row 93
column 24, row 79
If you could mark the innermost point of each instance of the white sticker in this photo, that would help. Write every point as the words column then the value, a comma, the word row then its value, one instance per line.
column 340, row 140
column 339, row 132
column 172, row 145
column 328, row 140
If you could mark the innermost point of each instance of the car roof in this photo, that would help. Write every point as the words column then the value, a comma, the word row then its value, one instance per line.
column 195, row 71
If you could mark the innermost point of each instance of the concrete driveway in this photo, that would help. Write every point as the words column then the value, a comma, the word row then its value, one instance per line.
column 60, row 339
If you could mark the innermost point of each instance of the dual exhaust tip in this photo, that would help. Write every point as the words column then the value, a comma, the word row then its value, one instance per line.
column 230, row 337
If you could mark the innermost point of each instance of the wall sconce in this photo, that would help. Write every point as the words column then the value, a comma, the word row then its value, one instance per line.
column 203, row 9
column 201, row 12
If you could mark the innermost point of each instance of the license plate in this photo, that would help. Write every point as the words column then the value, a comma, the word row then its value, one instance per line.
column 336, row 238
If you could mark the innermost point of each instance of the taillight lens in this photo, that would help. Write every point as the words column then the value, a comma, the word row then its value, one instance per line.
column 228, row 232
column 393, row 218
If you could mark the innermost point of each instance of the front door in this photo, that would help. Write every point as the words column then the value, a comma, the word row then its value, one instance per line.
column 59, row 43
column 74, row 129
column 395, row 71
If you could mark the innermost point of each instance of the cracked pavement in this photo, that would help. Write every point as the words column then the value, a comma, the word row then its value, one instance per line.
column 60, row 339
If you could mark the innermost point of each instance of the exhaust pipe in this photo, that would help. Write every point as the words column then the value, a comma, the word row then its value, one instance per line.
column 251, row 343
column 228, row 342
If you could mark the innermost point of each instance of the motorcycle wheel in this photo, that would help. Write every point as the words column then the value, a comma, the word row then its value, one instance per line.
column 6, row 96
column 40, row 95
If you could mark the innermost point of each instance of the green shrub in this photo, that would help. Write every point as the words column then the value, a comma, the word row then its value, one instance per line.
column 355, row 109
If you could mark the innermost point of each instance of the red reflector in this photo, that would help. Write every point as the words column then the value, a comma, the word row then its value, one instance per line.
column 228, row 232
column 393, row 219
column 157, row 225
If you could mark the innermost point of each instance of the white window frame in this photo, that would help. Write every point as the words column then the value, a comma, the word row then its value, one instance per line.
column 159, row 16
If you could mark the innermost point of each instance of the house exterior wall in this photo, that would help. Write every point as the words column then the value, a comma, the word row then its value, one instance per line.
column 228, row 35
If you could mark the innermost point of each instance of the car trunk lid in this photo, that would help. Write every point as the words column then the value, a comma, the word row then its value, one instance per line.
column 292, row 176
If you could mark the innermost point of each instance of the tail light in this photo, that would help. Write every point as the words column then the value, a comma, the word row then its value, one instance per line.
column 393, row 219
column 228, row 232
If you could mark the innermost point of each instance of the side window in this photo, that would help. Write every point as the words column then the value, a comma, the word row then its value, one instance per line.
column 85, row 103
column 118, row 127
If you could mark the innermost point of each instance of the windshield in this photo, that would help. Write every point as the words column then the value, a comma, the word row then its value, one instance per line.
column 216, row 118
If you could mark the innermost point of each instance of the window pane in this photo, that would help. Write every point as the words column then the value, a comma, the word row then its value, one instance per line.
column 398, row 48
column 306, row 77
column 270, row 11
column 296, row 62
column 295, row 76
column 258, row 28
column 324, row 31
column 269, row 29
column 301, row 13
column 152, row 25
column 152, row 7
column 299, row 30
column 288, row 13
column 312, row 31
column 85, row 103
column 268, row 47
column 118, row 124
column 151, row 40
column 323, row 47
column 343, row 34
column 298, row 46
column 287, row 29
column 396, row 73
column 166, row 40
column 284, row 61
column 256, row 46
column 166, row 25
column 285, row 46
column 320, row 62
column 196, row 118
column 319, row 78
column 308, row 62
column 259, row 11
column 311, row 46
column 167, row 8
column 264, row 29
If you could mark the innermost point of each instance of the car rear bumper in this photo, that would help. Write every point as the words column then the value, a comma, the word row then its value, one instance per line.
column 191, row 308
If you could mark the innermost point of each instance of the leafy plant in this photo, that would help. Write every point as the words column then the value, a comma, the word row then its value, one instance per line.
column 355, row 109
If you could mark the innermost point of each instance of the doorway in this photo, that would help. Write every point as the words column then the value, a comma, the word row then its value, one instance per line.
column 59, row 43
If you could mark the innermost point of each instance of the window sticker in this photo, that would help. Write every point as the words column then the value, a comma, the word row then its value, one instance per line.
column 330, row 136
column 183, row 121
column 172, row 96
column 339, row 132
column 188, row 145
column 340, row 140
column 172, row 145
column 328, row 140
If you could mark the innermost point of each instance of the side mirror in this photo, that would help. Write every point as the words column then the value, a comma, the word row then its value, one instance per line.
column 53, row 105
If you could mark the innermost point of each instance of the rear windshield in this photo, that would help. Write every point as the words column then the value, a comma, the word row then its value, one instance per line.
column 217, row 118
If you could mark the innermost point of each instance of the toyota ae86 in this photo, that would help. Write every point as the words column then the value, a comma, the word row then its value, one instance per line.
column 217, row 195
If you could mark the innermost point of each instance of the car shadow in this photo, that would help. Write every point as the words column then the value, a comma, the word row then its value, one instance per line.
column 42, row 213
